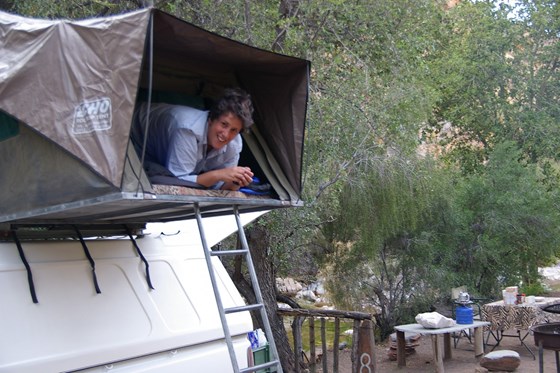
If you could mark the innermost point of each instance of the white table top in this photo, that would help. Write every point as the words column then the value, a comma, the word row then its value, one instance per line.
column 417, row 328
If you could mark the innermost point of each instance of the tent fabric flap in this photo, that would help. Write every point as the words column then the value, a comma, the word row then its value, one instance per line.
column 74, row 82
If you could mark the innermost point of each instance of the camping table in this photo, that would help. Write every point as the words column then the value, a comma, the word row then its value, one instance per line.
column 518, row 317
column 436, row 341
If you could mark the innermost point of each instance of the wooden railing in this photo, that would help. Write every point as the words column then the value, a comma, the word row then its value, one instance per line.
column 363, row 344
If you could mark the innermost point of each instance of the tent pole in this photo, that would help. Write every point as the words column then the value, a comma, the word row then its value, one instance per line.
column 149, row 103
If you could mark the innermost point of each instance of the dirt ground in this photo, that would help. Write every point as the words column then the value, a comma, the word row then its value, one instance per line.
column 463, row 360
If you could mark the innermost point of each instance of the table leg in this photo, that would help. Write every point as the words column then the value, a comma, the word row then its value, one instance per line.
column 522, row 340
column 498, row 336
column 478, row 341
column 540, row 357
column 401, row 362
column 438, row 360
column 447, row 351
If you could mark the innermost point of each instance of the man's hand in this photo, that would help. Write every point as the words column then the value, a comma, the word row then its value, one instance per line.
column 237, row 177
column 233, row 177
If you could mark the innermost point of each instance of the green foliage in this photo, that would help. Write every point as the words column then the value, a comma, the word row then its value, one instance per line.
column 510, row 222
column 73, row 9
column 389, row 238
column 536, row 288
column 498, row 78
column 472, row 72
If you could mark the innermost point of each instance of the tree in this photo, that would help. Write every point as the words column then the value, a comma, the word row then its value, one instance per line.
column 390, row 239
column 536, row 87
column 472, row 72
column 497, row 75
column 510, row 223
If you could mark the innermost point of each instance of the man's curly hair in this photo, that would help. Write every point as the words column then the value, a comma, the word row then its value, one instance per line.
column 237, row 102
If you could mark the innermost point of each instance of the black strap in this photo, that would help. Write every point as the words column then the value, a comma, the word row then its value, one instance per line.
column 89, row 257
column 146, row 264
column 27, row 267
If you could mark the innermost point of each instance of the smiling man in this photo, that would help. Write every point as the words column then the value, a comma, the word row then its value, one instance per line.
column 196, row 146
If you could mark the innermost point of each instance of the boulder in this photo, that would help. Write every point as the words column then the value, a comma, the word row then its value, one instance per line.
column 317, row 287
column 307, row 295
column 503, row 360
column 411, row 340
column 288, row 286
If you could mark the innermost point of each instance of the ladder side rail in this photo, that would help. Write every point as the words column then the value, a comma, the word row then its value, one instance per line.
column 256, row 288
column 221, row 311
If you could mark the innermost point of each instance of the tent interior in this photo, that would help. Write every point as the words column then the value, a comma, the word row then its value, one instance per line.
column 45, row 185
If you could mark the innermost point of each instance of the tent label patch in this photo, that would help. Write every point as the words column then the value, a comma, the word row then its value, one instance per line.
column 92, row 116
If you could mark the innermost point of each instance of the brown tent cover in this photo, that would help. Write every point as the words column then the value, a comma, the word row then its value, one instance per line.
column 67, row 94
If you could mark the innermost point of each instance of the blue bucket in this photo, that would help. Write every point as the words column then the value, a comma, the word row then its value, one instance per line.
column 464, row 314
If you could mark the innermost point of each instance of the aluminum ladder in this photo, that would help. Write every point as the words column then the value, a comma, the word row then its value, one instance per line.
column 259, row 306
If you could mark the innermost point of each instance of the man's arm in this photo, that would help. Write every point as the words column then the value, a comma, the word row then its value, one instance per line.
column 182, row 155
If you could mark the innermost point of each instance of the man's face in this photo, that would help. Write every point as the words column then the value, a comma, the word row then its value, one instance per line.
column 223, row 129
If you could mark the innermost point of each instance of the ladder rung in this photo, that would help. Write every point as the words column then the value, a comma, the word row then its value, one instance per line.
column 228, row 252
column 249, row 307
column 270, row 364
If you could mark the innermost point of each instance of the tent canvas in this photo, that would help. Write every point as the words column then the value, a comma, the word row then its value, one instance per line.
column 68, row 90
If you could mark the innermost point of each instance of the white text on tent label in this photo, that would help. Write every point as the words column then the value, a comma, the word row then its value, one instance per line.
column 92, row 116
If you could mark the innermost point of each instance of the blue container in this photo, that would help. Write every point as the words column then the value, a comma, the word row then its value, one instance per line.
column 464, row 314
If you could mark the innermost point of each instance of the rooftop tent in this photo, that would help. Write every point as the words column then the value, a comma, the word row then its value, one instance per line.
column 68, row 90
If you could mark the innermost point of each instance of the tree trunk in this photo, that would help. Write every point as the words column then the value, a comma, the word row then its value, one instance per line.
column 258, row 240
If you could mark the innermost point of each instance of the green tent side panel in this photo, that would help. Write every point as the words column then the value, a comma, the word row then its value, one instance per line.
column 40, row 175
column 8, row 126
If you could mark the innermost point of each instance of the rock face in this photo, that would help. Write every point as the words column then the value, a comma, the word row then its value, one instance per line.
column 314, row 293
column 504, row 361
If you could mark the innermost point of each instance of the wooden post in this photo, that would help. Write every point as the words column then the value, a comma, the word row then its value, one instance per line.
column 296, row 332
column 366, row 348
column 401, row 360
column 355, row 343
column 324, row 345
column 313, row 357
column 335, row 344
